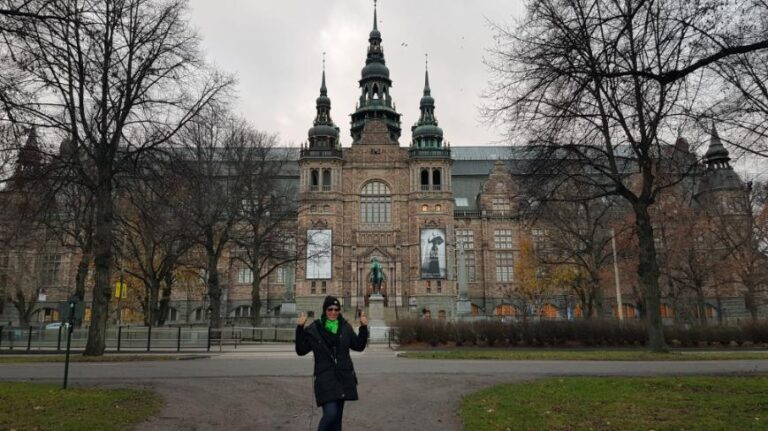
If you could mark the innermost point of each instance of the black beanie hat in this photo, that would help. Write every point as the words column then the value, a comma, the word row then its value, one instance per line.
column 330, row 300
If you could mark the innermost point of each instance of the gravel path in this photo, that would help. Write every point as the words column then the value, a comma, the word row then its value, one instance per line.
column 269, row 388
column 403, row 403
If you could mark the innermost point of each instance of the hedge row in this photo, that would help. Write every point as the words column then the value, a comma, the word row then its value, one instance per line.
column 575, row 333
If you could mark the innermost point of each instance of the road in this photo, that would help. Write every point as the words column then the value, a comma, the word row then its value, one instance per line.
column 269, row 388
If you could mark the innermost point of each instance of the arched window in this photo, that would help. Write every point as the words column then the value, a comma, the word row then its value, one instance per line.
column 548, row 311
column 375, row 203
column 315, row 179
column 424, row 179
column 507, row 310
column 424, row 208
column 475, row 310
column 629, row 311
column 711, row 311
column 326, row 180
column 438, row 208
column 436, row 179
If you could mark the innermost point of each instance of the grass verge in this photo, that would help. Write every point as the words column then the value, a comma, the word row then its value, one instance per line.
column 22, row 359
column 35, row 407
column 623, row 403
column 583, row 355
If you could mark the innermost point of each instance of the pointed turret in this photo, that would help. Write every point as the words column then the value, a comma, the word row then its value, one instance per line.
column 426, row 133
column 719, row 175
column 30, row 159
column 375, row 102
column 324, row 133
column 717, row 156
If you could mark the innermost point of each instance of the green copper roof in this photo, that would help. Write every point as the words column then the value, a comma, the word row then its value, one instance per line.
column 426, row 133
column 375, row 102
column 324, row 133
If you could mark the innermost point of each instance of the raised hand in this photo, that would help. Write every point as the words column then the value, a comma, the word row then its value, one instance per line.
column 302, row 319
column 363, row 318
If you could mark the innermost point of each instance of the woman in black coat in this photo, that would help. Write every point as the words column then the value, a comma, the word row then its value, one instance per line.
column 329, row 339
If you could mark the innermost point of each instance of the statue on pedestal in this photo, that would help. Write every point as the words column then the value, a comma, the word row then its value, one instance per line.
column 377, row 276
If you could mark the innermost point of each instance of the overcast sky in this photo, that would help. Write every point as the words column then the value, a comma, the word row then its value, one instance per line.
column 275, row 49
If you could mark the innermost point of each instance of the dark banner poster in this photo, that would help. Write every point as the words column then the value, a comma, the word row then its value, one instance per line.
column 433, row 253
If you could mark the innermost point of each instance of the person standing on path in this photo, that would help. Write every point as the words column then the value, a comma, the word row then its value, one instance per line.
column 329, row 339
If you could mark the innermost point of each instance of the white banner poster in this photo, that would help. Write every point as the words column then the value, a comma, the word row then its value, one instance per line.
column 319, row 254
column 433, row 253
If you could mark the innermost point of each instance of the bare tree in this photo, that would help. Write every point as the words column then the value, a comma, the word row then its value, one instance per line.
column 22, row 234
column 578, row 240
column 742, row 105
column 154, row 236
column 686, row 261
column 604, row 84
column 117, row 80
column 266, row 236
column 739, row 225
column 212, row 168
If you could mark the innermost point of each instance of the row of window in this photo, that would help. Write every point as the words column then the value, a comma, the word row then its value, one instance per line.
column 320, row 179
column 49, row 266
column 550, row 311
column 425, row 208
column 245, row 275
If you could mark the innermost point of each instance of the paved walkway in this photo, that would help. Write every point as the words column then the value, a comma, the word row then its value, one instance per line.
column 269, row 388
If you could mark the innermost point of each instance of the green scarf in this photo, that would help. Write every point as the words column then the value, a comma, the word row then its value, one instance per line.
column 332, row 326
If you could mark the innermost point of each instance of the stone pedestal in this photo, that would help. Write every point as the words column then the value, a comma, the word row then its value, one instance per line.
column 376, row 325
column 288, row 309
column 463, row 308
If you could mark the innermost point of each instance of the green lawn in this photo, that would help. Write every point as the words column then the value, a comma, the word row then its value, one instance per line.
column 583, row 355
column 35, row 407
column 21, row 359
column 623, row 403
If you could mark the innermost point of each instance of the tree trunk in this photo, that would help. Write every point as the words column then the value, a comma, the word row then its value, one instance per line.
column 151, row 317
column 256, row 299
column 214, row 289
column 648, row 272
column 82, row 275
column 102, row 243
column 24, row 307
column 701, row 306
column 165, row 300
column 595, row 296
column 750, row 302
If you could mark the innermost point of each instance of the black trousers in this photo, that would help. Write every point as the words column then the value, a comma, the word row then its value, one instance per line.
column 332, row 415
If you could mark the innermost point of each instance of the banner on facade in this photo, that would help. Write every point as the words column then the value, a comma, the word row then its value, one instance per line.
column 433, row 253
column 319, row 254
column 121, row 290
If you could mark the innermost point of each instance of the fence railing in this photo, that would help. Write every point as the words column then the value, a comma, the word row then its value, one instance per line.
column 140, row 338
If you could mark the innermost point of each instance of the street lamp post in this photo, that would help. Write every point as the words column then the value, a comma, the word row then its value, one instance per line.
column 619, row 303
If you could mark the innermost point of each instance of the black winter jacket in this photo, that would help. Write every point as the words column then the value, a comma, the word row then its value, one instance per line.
column 334, row 373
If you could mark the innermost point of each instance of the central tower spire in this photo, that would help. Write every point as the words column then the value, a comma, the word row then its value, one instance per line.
column 375, row 103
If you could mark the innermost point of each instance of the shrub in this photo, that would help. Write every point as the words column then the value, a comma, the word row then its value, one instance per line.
column 492, row 332
column 406, row 331
column 513, row 333
column 756, row 331
column 585, row 332
column 463, row 333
